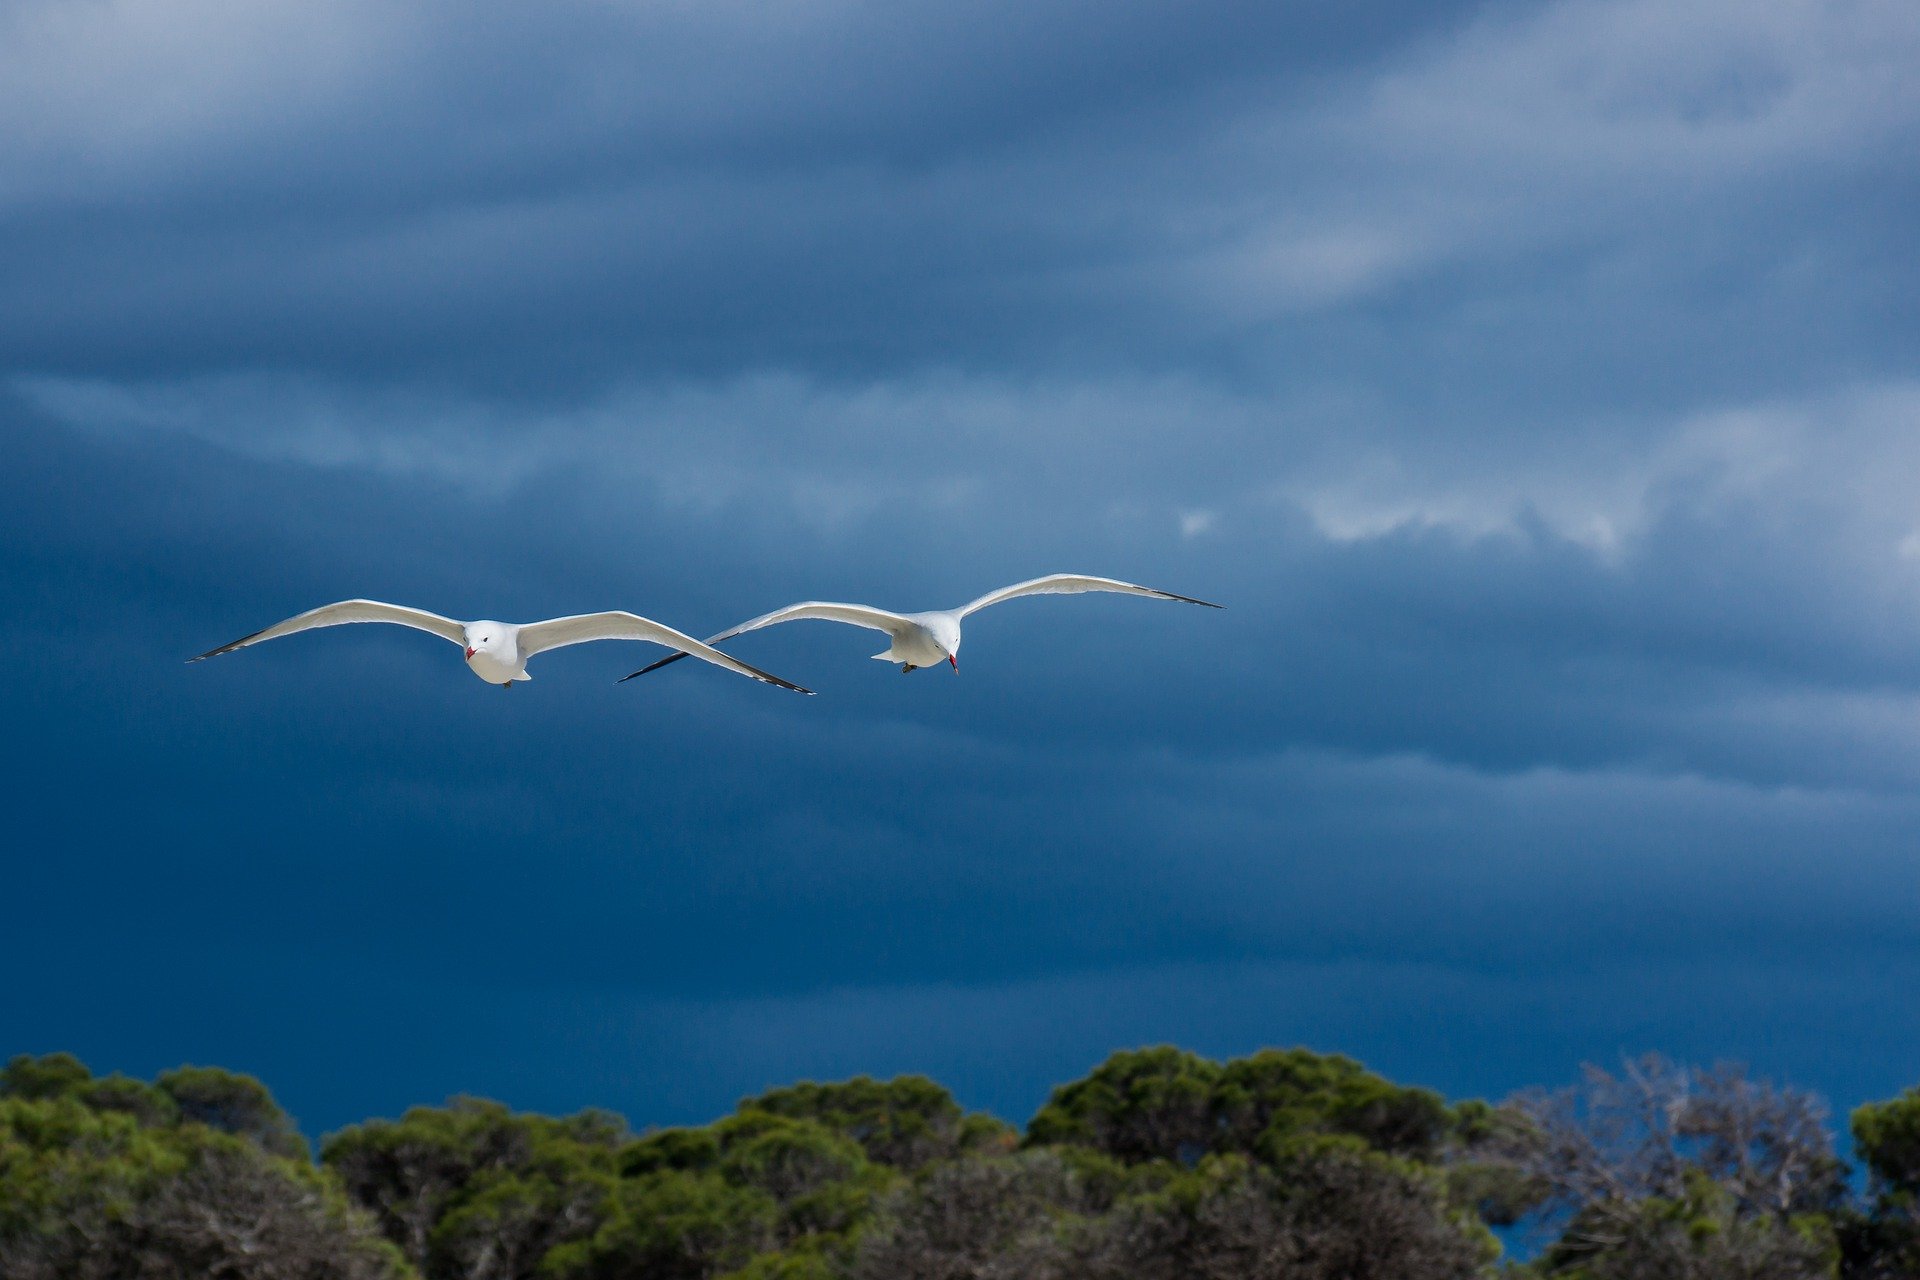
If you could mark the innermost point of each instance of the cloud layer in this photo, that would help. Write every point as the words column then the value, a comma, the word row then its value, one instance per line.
column 1534, row 383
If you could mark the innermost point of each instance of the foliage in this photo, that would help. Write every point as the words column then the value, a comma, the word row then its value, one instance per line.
column 905, row 1122
column 53, row 1075
column 1168, row 1104
column 975, row 1219
column 91, row 1194
column 1158, row 1165
column 1334, row 1211
column 671, row 1224
column 1331, row 1210
column 474, row 1190
column 1882, row 1240
column 233, row 1104
column 1887, row 1136
column 1148, row 1104
column 1700, row 1235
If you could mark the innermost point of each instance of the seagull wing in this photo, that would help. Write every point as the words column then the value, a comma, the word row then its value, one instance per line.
column 333, row 615
column 556, row 633
column 1063, row 584
column 859, row 615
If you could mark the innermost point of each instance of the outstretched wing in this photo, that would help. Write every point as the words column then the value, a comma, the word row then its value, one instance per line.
column 858, row 615
column 1066, row 584
column 556, row 633
column 334, row 615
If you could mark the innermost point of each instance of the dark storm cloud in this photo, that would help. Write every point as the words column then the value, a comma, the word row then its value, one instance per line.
column 1177, row 778
column 606, row 191
column 1533, row 383
column 596, row 181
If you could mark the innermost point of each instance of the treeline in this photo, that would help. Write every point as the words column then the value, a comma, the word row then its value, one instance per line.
column 1159, row 1165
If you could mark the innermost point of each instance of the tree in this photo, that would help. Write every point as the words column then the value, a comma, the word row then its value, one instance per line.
column 52, row 1075
column 61, row 1075
column 95, row 1195
column 821, row 1180
column 1883, row 1241
column 510, row 1220
column 1331, row 1210
column 974, row 1219
column 146, row 1104
column 233, row 1103
column 1159, row 1165
column 1168, row 1104
column 1278, row 1096
column 1696, row 1171
column 807, row 1187
column 1699, row 1235
column 1887, row 1136
column 1146, row 1104
column 905, row 1122
column 671, row 1224
column 474, row 1186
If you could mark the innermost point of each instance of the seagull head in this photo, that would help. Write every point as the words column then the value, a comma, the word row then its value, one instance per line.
column 945, row 630
column 485, row 637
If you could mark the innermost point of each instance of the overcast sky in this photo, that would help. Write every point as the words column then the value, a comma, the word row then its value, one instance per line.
column 1537, row 385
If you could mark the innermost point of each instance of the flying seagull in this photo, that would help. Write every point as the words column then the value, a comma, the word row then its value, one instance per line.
column 498, row 651
column 928, row 639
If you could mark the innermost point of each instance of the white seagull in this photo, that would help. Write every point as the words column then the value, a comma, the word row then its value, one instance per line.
column 928, row 639
column 498, row 651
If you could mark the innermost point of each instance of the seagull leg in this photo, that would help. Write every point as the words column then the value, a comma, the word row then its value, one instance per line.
column 905, row 667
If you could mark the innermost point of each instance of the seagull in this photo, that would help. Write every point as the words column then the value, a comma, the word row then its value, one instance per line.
column 929, row 639
column 497, row 652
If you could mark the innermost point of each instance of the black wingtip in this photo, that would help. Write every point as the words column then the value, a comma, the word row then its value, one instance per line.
column 651, row 666
column 770, row 678
column 757, row 673
column 1190, row 600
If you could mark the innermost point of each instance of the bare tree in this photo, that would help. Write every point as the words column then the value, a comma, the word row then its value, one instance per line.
column 1657, row 1129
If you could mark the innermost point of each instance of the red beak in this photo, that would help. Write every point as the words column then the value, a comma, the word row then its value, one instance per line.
column 955, row 661
column 469, row 655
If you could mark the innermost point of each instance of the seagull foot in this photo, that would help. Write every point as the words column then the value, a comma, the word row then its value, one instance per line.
column 906, row 667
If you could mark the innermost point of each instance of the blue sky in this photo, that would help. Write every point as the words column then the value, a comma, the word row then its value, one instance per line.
column 1536, row 383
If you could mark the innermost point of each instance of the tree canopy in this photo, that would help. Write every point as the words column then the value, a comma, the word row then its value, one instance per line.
column 1159, row 1164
